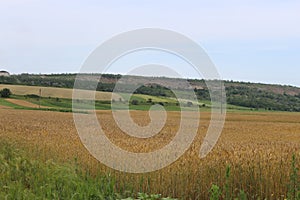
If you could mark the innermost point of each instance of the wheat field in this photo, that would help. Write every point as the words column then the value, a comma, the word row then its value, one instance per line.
column 55, row 92
column 257, row 146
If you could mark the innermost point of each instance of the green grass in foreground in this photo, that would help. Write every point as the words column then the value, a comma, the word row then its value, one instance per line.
column 25, row 178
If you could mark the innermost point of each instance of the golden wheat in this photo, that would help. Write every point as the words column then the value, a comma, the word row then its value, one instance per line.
column 55, row 92
column 257, row 146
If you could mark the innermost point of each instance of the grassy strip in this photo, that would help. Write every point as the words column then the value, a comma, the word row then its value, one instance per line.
column 65, row 105
column 15, row 106
column 11, row 105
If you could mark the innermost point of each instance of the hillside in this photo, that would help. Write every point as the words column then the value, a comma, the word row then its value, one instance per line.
column 252, row 95
column 65, row 93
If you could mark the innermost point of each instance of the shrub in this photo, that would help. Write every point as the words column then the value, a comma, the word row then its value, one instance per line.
column 34, row 96
column 5, row 93
column 134, row 102
column 215, row 192
column 189, row 104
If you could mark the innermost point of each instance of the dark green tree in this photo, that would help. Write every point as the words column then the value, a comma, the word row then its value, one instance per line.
column 134, row 102
column 189, row 104
column 5, row 93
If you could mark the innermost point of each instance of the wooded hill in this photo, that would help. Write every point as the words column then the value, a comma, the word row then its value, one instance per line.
column 252, row 95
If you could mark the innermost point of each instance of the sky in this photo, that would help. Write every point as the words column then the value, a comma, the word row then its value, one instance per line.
column 256, row 41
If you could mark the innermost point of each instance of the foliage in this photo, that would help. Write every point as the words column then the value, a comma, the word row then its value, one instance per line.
column 5, row 93
column 293, row 187
column 24, row 178
column 215, row 192
column 143, row 196
column 227, row 187
column 255, row 96
column 242, row 195
column 155, row 90
column 189, row 104
column 259, row 99
column 134, row 102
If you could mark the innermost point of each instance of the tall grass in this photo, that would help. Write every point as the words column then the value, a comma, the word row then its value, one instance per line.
column 25, row 178
column 293, row 187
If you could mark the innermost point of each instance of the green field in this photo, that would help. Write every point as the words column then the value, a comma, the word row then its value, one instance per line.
column 64, row 104
column 59, row 99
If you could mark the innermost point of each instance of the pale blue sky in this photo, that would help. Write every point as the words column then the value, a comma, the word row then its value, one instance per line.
column 256, row 41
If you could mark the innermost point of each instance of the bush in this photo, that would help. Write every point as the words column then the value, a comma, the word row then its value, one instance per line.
column 5, row 93
column 161, row 103
column 34, row 96
column 189, row 104
column 215, row 192
column 134, row 102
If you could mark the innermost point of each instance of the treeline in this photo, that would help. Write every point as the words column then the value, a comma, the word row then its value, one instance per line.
column 239, row 94
column 256, row 98
column 56, row 80
column 64, row 81
column 67, row 81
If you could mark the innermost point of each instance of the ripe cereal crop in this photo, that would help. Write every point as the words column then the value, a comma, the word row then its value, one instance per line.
column 257, row 146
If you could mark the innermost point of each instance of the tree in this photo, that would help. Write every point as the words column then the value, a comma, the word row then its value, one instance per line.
column 189, row 104
column 5, row 93
column 134, row 102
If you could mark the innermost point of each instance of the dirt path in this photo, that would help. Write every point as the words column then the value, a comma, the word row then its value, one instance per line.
column 24, row 103
column 4, row 107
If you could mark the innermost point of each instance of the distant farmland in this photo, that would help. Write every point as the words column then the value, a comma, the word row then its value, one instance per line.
column 256, row 96
column 55, row 92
